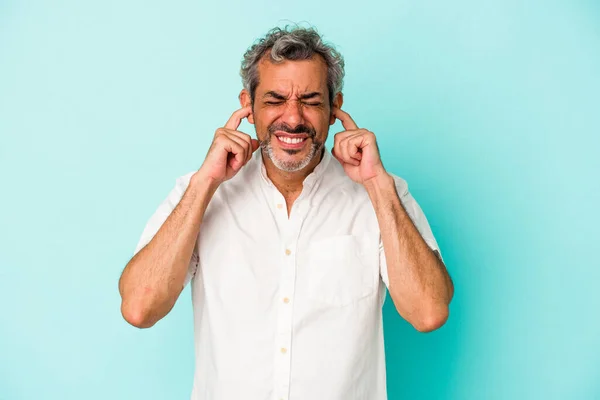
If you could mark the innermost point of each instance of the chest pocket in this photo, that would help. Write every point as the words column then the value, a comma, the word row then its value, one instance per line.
column 342, row 269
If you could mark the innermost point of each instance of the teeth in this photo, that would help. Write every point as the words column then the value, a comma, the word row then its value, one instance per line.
column 290, row 140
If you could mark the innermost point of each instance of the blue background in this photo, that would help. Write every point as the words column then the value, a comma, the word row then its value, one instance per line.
column 489, row 109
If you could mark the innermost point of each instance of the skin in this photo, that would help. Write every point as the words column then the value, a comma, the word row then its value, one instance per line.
column 419, row 284
column 291, row 95
column 153, row 279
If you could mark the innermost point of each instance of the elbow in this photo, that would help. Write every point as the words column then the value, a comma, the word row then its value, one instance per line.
column 136, row 316
column 432, row 320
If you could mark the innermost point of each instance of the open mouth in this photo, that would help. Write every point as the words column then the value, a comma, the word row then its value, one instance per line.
column 291, row 142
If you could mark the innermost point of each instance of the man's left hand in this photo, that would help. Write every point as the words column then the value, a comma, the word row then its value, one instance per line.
column 356, row 149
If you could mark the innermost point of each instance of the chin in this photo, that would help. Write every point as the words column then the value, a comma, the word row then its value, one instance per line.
column 287, row 162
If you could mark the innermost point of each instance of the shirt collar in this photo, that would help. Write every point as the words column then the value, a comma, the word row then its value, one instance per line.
column 310, row 180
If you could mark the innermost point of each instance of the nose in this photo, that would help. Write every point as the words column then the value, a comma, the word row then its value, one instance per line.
column 293, row 114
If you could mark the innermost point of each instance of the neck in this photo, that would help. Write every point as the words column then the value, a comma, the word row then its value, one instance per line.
column 289, row 184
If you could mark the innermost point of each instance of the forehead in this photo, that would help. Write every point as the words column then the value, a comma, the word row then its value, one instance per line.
column 292, row 76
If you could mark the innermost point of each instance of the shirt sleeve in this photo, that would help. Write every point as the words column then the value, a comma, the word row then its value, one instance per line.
column 160, row 216
column 419, row 220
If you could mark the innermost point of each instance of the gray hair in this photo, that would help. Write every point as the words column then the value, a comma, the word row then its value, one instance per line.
column 297, row 43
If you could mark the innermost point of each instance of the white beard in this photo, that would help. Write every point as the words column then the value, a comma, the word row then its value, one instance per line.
column 290, row 166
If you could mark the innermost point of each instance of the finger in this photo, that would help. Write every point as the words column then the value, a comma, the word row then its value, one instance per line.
column 354, row 146
column 336, row 150
column 236, row 118
column 238, row 160
column 231, row 146
column 344, row 134
column 246, row 139
column 345, row 152
column 338, row 141
column 253, row 144
column 245, row 145
column 347, row 121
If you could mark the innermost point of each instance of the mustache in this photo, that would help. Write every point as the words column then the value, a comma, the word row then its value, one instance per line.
column 286, row 128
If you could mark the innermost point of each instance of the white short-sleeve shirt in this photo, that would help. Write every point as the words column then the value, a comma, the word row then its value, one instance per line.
column 288, row 308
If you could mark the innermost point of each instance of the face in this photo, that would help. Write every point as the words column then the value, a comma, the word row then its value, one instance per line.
column 291, row 111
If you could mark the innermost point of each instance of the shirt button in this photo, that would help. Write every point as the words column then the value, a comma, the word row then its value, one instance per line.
column 288, row 252
column 286, row 300
column 283, row 350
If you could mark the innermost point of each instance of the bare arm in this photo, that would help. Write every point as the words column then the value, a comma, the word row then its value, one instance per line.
column 153, row 279
column 418, row 281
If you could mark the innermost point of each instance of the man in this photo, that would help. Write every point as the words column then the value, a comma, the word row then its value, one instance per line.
column 289, row 249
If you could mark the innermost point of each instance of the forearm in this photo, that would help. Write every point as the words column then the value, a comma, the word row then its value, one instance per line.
column 418, row 281
column 153, row 279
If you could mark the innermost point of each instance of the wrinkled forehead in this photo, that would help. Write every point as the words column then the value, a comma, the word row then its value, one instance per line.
column 292, row 78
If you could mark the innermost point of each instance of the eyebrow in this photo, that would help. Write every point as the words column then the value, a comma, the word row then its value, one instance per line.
column 310, row 95
column 304, row 96
column 274, row 94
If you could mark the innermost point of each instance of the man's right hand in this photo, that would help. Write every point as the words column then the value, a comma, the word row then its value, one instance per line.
column 153, row 279
column 229, row 151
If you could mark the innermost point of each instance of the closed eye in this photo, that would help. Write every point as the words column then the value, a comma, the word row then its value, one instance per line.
column 276, row 103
